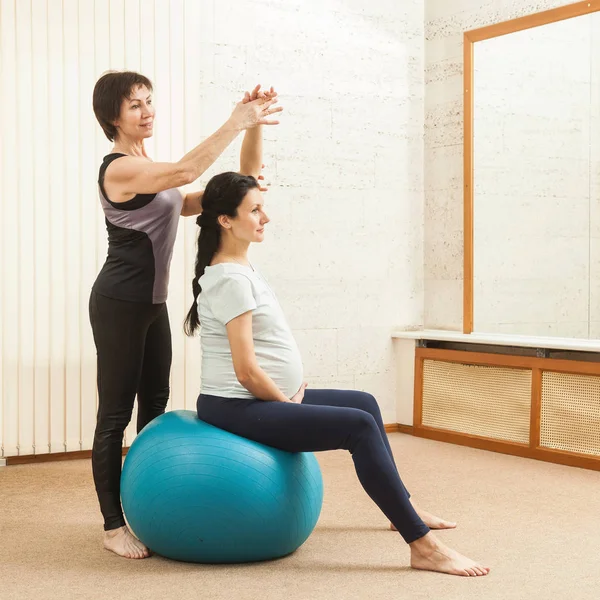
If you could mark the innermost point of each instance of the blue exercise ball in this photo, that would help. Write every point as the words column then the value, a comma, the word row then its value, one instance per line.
column 196, row 493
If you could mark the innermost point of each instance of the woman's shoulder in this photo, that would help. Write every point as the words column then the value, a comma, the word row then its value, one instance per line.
column 223, row 274
column 226, row 269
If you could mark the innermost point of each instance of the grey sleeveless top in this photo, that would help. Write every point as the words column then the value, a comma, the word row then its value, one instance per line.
column 141, row 236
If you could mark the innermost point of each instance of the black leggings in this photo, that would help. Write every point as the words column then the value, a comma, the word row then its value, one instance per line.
column 326, row 420
column 133, row 344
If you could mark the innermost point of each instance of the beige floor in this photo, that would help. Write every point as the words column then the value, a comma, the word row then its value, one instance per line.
column 536, row 524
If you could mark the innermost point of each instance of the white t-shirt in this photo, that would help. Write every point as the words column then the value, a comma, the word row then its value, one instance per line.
column 229, row 290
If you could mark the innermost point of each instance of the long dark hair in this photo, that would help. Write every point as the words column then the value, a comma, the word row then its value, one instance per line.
column 223, row 195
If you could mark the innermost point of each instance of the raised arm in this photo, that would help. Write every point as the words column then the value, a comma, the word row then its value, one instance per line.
column 132, row 175
column 252, row 152
column 250, row 156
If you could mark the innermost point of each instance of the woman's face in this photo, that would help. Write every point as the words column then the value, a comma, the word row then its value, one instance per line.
column 136, row 119
column 249, row 225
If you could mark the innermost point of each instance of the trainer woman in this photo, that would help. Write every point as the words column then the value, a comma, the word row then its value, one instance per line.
column 128, row 310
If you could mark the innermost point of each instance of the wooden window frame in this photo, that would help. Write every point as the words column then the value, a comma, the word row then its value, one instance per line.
column 554, row 15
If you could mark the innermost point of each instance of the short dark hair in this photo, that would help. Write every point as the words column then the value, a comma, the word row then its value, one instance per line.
column 109, row 92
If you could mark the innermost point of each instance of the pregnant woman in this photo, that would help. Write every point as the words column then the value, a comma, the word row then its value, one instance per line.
column 252, row 370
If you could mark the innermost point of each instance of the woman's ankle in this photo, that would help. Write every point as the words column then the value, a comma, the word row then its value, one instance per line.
column 426, row 544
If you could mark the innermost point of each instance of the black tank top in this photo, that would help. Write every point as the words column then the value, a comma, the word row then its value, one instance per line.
column 141, row 236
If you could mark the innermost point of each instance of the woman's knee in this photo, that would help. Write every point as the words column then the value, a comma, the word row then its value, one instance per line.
column 364, row 423
column 368, row 403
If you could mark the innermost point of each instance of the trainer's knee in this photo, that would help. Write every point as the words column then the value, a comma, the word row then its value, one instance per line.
column 112, row 422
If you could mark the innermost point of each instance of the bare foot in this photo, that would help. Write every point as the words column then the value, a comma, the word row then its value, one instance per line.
column 122, row 542
column 428, row 554
column 430, row 520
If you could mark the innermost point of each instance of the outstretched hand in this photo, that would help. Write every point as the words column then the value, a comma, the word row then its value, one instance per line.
column 257, row 93
column 265, row 98
column 249, row 114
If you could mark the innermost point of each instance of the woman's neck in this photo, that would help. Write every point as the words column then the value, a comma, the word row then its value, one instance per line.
column 130, row 147
column 236, row 252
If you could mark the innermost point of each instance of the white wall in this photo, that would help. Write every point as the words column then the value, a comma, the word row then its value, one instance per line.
column 343, row 251
column 445, row 23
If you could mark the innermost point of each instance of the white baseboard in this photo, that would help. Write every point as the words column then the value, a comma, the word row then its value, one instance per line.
column 2, row 462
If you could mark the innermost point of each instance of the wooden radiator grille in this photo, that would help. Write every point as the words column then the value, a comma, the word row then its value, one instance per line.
column 570, row 419
column 491, row 402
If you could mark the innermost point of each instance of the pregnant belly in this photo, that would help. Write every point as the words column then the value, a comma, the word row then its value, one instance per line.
column 284, row 367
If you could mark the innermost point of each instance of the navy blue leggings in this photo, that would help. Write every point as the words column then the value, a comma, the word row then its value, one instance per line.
column 326, row 420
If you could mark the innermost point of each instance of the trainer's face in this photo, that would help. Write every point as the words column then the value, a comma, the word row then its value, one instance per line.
column 136, row 119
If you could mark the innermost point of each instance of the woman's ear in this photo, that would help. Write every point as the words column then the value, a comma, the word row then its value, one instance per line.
column 224, row 221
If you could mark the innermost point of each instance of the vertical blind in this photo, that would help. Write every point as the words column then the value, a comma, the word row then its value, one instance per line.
column 53, row 235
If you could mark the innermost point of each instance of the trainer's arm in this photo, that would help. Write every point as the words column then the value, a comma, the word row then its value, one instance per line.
column 247, row 370
column 192, row 204
column 137, row 175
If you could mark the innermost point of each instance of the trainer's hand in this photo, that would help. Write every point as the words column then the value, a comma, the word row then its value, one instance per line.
column 299, row 395
column 247, row 115
column 258, row 93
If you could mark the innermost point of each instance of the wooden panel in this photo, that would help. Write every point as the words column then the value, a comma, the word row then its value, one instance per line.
column 408, row 429
column 536, row 408
column 554, row 15
column 29, row 459
column 418, row 405
column 476, row 358
column 468, row 187
column 504, row 360
column 553, row 456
